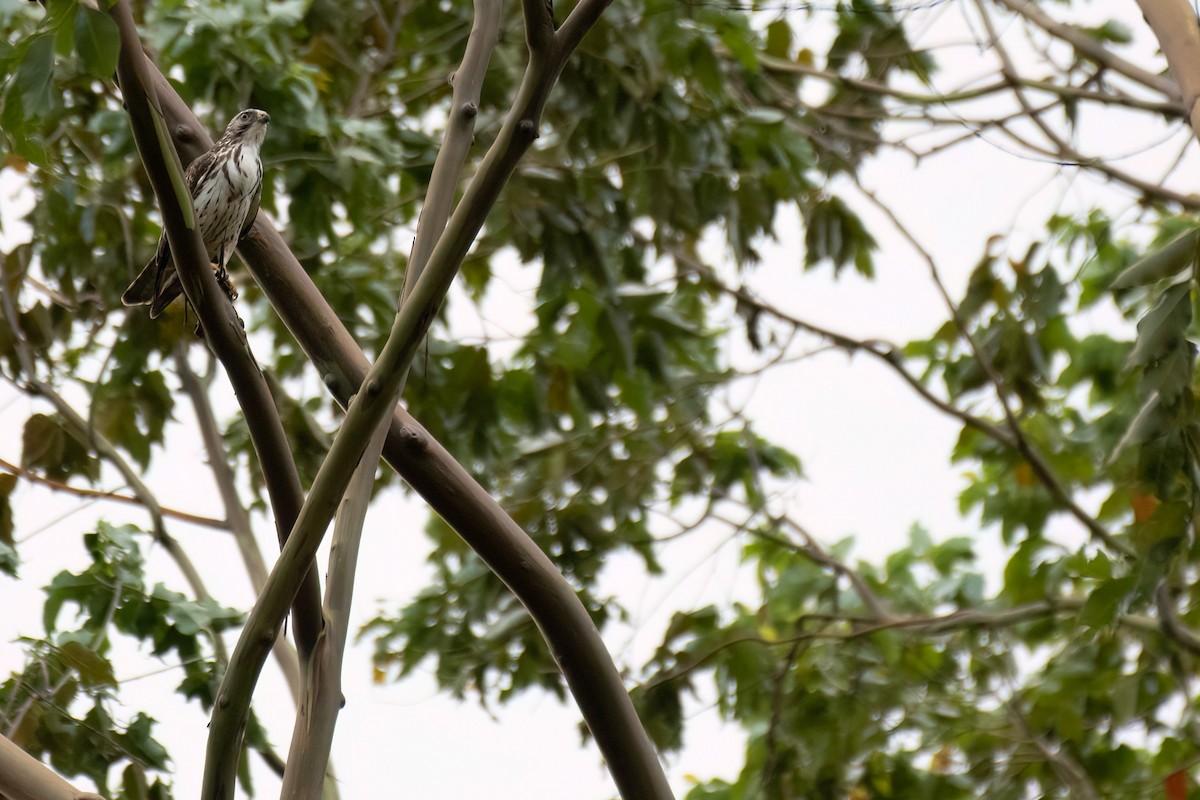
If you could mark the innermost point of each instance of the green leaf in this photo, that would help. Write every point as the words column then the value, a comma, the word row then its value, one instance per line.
column 41, row 442
column 1162, row 329
column 1165, row 262
column 97, row 42
column 779, row 39
column 1169, row 521
column 9, row 561
column 1104, row 603
column 92, row 668
column 1111, row 31
column 834, row 233
column 34, row 76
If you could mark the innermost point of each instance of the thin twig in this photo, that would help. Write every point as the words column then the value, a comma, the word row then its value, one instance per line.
column 887, row 353
column 1087, row 45
column 1066, row 768
column 874, row 603
column 857, row 627
column 1171, row 624
column 1041, row 468
column 1066, row 152
column 76, row 425
column 238, row 518
column 81, row 491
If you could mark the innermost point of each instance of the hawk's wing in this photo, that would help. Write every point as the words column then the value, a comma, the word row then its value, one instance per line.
column 251, row 212
column 199, row 169
column 158, row 283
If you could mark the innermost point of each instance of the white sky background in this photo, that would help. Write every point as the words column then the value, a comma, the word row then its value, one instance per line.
column 876, row 460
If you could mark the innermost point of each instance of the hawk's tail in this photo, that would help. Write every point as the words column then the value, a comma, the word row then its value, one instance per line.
column 141, row 291
column 156, row 285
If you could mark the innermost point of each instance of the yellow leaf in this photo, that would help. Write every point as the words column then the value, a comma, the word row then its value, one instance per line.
column 1024, row 474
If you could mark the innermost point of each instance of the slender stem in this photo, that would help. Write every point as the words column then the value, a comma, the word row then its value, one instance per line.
column 882, row 351
column 100, row 494
column 77, row 426
column 312, row 735
column 437, row 477
column 1041, row 467
column 460, row 133
column 849, row 628
column 238, row 518
column 1087, row 45
column 1175, row 26
column 1070, row 773
column 1064, row 150
column 1171, row 624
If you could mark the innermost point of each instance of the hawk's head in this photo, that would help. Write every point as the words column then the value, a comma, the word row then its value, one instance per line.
column 248, row 127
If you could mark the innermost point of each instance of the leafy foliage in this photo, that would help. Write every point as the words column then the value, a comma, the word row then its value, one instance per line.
column 62, row 703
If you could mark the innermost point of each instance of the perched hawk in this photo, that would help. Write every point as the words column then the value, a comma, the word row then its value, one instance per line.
column 226, row 185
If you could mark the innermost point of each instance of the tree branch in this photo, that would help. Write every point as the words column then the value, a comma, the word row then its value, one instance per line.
column 1041, row 467
column 91, row 439
column 1066, row 768
column 818, row 555
column 936, row 624
column 1178, row 32
column 98, row 494
column 312, row 735
column 1170, row 108
column 886, row 353
column 23, row 777
column 1172, row 626
column 539, row 24
column 1064, row 150
column 1087, row 46
column 222, row 328
column 460, row 134
column 581, row 655
column 237, row 518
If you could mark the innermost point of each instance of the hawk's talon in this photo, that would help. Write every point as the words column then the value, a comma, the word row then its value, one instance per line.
column 226, row 284
column 223, row 279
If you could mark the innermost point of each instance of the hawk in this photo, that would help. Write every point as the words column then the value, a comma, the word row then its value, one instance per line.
column 226, row 185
